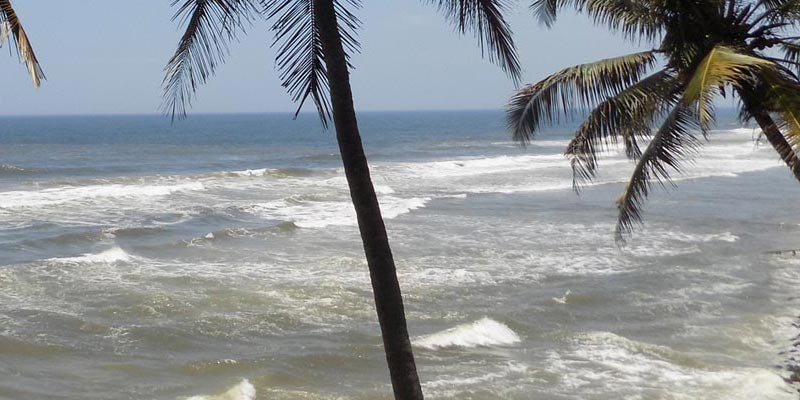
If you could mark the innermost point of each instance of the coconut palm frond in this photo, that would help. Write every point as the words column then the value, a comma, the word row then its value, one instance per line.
column 791, row 55
column 721, row 66
column 631, row 17
column 629, row 115
column 783, row 96
column 300, row 58
column 210, row 26
column 673, row 143
column 486, row 19
column 11, row 29
column 791, row 127
column 780, row 10
column 546, row 11
column 579, row 86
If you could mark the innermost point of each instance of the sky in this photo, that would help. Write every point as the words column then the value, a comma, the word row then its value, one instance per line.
column 107, row 57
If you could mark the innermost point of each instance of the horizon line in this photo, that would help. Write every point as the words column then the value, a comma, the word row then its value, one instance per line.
column 213, row 113
column 220, row 113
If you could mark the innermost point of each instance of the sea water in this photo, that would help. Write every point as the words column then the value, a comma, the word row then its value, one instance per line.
column 218, row 258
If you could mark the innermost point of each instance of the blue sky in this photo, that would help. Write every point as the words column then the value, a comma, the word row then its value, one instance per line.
column 107, row 57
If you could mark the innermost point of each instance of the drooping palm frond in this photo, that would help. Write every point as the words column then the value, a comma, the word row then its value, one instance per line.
column 630, row 17
column 780, row 10
column 629, row 115
column 210, row 26
column 633, row 18
column 673, row 143
column 791, row 55
column 791, row 127
column 709, row 46
column 300, row 57
column 11, row 29
column 546, row 11
column 486, row 18
column 783, row 98
column 721, row 66
column 580, row 86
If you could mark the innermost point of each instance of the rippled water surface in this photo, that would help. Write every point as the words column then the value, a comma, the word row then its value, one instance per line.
column 218, row 258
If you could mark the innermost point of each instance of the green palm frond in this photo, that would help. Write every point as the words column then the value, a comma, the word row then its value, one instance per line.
column 791, row 127
column 673, row 143
column 633, row 18
column 300, row 56
column 11, row 29
column 709, row 47
column 486, row 18
column 579, row 86
column 630, row 115
column 783, row 97
column 721, row 66
column 210, row 26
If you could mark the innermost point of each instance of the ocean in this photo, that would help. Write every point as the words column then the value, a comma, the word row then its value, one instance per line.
column 218, row 258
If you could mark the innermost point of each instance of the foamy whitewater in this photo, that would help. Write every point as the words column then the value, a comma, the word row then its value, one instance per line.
column 218, row 258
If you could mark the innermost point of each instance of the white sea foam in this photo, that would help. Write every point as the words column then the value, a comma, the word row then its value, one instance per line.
column 242, row 391
column 56, row 196
column 741, row 131
column 383, row 189
column 602, row 362
column 563, row 299
column 273, row 172
column 727, row 156
column 481, row 333
column 475, row 166
column 455, row 385
column 112, row 255
column 10, row 168
column 320, row 214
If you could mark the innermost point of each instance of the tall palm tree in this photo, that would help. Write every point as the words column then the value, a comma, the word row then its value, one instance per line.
column 707, row 48
column 11, row 29
column 315, row 39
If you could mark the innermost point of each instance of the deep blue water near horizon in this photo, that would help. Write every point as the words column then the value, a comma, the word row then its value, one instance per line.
column 218, row 258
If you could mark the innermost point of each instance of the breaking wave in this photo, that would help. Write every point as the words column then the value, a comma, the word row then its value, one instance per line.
column 54, row 196
column 242, row 391
column 112, row 255
column 482, row 333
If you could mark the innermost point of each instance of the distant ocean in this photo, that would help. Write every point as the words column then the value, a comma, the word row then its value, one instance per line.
column 218, row 258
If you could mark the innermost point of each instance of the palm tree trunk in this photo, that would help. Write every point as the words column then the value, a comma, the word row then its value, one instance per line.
column 385, row 287
column 773, row 133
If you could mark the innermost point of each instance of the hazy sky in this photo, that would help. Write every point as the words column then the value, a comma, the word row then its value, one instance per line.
column 107, row 56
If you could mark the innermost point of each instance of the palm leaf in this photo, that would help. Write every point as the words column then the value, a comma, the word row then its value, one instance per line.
column 784, row 100
column 546, row 11
column 210, row 26
column 629, row 115
column 673, row 143
column 300, row 58
column 791, row 54
column 11, row 28
column 791, row 127
column 579, row 86
column 780, row 10
column 485, row 17
column 634, row 18
column 721, row 66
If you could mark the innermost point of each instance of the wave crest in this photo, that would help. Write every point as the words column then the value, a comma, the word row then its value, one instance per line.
column 112, row 255
column 482, row 333
column 242, row 391
column 8, row 169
